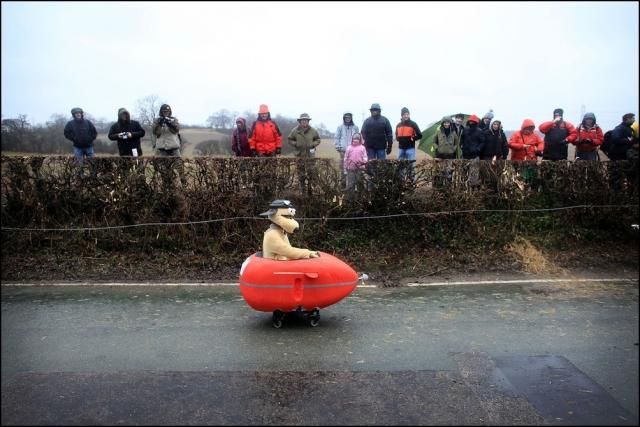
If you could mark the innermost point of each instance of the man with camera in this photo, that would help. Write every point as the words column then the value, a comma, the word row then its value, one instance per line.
column 590, row 137
column 166, row 129
column 558, row 133
column 128, row 133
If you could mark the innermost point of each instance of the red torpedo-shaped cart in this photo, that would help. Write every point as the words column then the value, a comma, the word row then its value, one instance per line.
column 303, row 285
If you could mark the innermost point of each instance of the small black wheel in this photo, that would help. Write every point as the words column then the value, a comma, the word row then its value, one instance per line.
column 276, row 320
column 314, row 318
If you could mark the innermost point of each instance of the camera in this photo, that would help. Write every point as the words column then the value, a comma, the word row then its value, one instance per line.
column 123, row 135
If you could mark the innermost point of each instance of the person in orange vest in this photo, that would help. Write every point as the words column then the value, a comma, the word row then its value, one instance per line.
column 266, row 138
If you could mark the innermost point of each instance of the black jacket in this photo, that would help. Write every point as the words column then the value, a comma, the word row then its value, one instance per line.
column 620, row 142
column 126, row 144
column 81, row 132
column 472, row 143
column 377, row 133
column 495, row 145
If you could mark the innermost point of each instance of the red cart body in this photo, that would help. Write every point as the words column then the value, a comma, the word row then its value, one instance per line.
column 303, row 284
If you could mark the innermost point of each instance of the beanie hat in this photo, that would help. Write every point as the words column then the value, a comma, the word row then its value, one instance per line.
column 558, row 111
column 404, row 110
column 489, row 115
column 164, row 107
column 76, row 110
column 473, row 118
column 375, row 106
column 446, row 119
column 263, row 109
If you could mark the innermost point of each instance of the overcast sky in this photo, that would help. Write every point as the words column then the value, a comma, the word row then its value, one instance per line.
column 522, row 59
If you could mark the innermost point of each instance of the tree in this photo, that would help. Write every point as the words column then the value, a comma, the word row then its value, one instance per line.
column 14, row 133
column 223, row 119
column 147, row 109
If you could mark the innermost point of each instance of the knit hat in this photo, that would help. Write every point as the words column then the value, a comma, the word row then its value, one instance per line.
column 375, row 106
column 404, row 110
column 76, row 110
column 558, row 112
column 473, row 118
column 263, row 109
column 489, row 115
column 164, row 107
column 446, row 119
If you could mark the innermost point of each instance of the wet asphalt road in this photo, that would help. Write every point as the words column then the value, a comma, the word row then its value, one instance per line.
column 441, row 355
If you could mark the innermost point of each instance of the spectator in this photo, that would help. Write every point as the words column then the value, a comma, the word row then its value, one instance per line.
column 459, row 125
column 473, row 139
column 622, row 140
column 265, row 139
column 240, row 138
column 557, row 136
column 377, row 134
column 82, row 133
column 589, row 138
column 486, row 120
column 495, row 143
column 128, row 133
column 355, row 161
column 407, row 133
column 344, row 136
column 446, row 140
column 166, row 129
column 304, row 138
column 633, row 152
column 525, row 144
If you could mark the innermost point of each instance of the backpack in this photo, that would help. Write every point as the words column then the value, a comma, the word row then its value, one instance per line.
column 607, row 142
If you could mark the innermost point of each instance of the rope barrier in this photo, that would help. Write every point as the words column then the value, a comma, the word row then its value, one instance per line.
column 321, row 219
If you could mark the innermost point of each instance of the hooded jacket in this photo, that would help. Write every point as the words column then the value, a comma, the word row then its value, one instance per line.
column 588, row 139
column 525, row 147
column 81, row 132
column 344, row 133
column 621, row 138
column 265, row 136
column 355, row 158
column 446, row 141
column 125, row 124
column 167, row 133
column 240, row 140
column 495, row 144
column 473, row 139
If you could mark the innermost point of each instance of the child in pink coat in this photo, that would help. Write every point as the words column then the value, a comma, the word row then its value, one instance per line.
column 355, row 160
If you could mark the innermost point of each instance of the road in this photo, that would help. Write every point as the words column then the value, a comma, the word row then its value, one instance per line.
column 537, row 353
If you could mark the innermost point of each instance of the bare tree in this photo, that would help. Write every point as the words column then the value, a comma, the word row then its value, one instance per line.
column 147, row 109
column 222, row 119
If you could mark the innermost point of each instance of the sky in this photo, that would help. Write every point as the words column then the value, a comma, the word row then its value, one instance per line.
column 521, row 59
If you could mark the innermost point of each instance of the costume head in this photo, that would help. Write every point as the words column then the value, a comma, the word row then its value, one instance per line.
column 281, row 213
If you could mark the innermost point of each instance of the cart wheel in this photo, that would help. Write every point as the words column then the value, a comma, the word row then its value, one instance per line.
column 276, row 320
column 314, row 318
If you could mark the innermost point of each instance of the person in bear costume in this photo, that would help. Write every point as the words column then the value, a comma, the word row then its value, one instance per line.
column 275, row 244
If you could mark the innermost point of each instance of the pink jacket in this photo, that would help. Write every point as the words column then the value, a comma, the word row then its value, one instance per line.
column 355, row 157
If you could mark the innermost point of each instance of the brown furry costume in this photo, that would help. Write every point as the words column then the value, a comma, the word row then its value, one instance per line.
column 275, row 244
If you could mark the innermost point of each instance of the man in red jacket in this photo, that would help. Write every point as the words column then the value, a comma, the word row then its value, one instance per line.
column 557, row 136
column 266, row 138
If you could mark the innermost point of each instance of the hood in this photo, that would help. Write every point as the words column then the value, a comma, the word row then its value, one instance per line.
column 345, row 115
column 241, row 119
column 356, row 139
column 473, row 118
column 527, row 123
column 123, row 115
column 589, row 116
column 162, row 107
column 77, row 110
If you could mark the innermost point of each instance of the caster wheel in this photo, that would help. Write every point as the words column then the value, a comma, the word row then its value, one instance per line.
column 314, row 318
column 276, row 320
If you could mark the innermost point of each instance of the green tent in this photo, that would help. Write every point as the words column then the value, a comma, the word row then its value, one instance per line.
column 426, row 143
